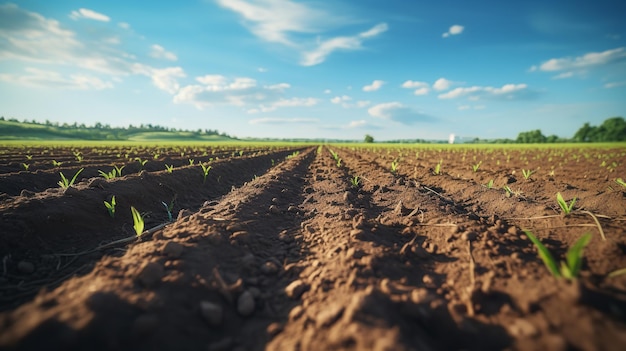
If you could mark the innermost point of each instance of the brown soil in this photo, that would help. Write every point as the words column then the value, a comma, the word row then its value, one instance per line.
column 278, row 250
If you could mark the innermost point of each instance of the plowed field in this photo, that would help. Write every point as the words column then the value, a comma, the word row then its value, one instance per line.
column 311, row 248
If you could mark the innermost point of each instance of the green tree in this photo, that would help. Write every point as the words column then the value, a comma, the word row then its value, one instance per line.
column 369, row 138
column 533, row 136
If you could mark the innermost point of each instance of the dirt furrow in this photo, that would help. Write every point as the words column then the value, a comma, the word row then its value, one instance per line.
column 45, row 230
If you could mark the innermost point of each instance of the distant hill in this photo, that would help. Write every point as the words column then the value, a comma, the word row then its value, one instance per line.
column 13, row 129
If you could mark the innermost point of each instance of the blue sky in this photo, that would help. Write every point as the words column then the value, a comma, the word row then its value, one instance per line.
column 394, row 69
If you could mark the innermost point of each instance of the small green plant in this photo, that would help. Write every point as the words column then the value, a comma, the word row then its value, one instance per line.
column 573, row 258
column 293, row 154
column 476, row 167
column 565, row 207
column 205, row 172
column 339, row 162
column 78, row 156
column 489, row 184
column 29, row 157
column 169, row 168
column 508, row 190
column 621, row 182
column 527, row 173
column 65, row 183
column 240, row 153
column 109, row 175
column 25, row 166
column 169, row 207
column 118, row 170
column 437, row 169
column 141, row 162
column 56, row 163
column 138, row 222
column 394, row 166
column 355, row 181
column 273, row 162
column 191, row 161
column 111, row 206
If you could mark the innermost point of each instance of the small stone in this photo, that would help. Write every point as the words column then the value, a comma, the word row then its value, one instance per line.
column 469, row 236
column 240, row 236
column 274, row 329
column 296, row 313
column 212, row 313
column 329, row 315
column 172, row 249
column 427, row 279
column 292, row 209
column 150, row 274
column 296, row 289
column 522, row 328
column 245, row 304
column 512, row 231
column 274, row 209
column 145, row 324
column 347, row 196
column 25, row 267
column 269, row 268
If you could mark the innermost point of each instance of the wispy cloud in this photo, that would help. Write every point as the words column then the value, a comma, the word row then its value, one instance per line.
column 362, row 124
column 469, row 107
column 578, row 63
column 611, row 85
column 157, row 51
column 272, row 120
column 454, row 30
column 442, row 84
column 49, row 79
column 297, row 25
column 421, row 88
column 506, row 92
column 376, row 84
column 327, row 47
column 398, row 112
column 89, row 14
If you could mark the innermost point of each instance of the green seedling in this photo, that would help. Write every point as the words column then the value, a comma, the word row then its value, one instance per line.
column 156, row 156
column 118, row 170
column 169, row 168
column 437, row 170
column 476, row 166
column 111, row 207
column 141, row 162
column 169, row 207
column 355, row 181
column 394, row 166
column 65, row 183
column 138, row 222
column 489, row 184
column 29, row 157
column 205, row 172
column 56, row 163
column 621, row 182
column 338, row 162
column 78, row 156
column 573, row 258
column 25, row 166
column 527, row 173
column 240, row 153
column 273, row 162
column 565, row 207
column 508, row 190
column 191, row 161
column 109, row 175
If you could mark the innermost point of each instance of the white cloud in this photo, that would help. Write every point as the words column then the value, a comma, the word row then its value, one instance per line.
column 325, row 48
column 270, row 120
column 587, row 60
column 327, row 91
column 442, row 84
column 507, row 91
column 123, row 25
column 421, row 88
column 157, row 51
column 454, row 30
column 564, row 75
column 361, row 124
column 397, row 112
column 89, row 14
column 340, row 99
column 292, row 102
column 262, row 69
column 469, row 107
column 165, row 78
column 363, row 103
column 48, row 79
column 614, row 84
column 376, row 84
column 280, row 86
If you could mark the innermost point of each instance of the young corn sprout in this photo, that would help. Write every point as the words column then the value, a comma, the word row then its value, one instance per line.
column 78, row 156
column 573, row 258
column 565, row 207
column 621, row 182
column 355, row 181
column 25, row 166
column 169, row 168
column 56, row 163
column 476, row 167
column 138, row 222
column 205, row 172
column 118, row 170
column 527, row 173
column 394, row 166
column 109, row 175
column 437, row 170
column 65, row 183
column 339, row 162
column 169, row 207
column 111, row 206
column 141, row 162
column 508, row 190
column 191, row 161
column 489, row 184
